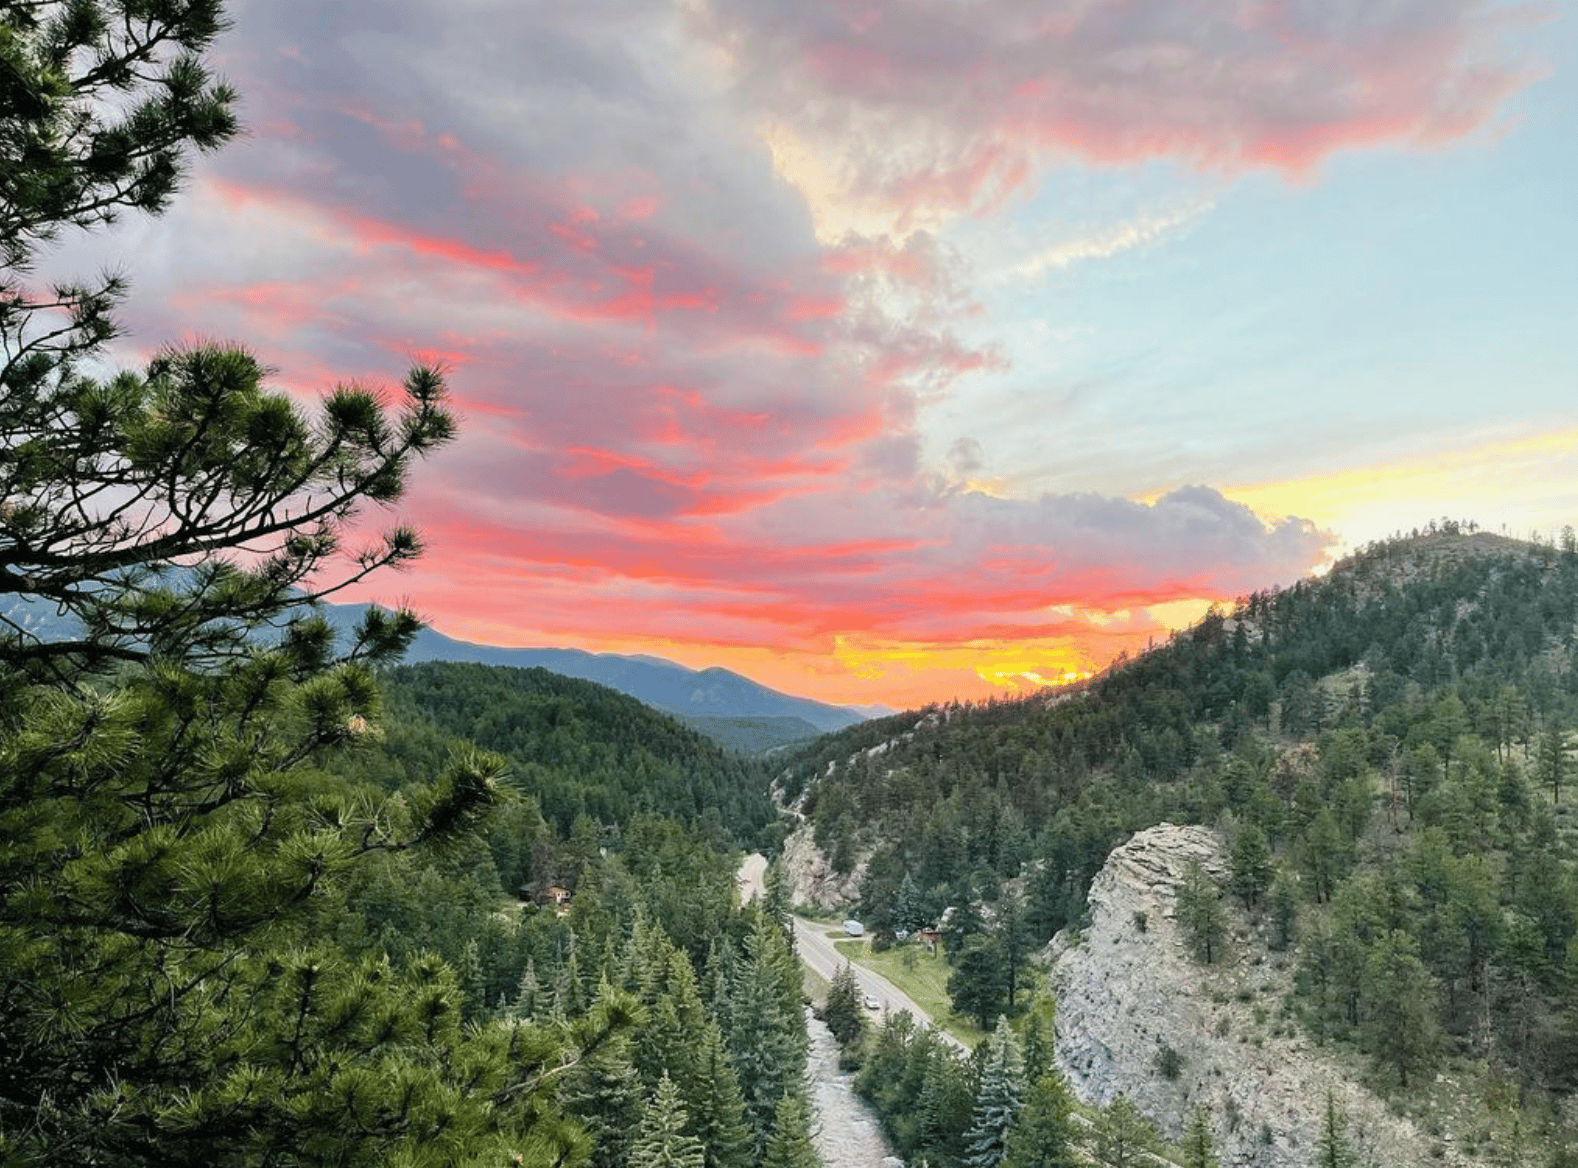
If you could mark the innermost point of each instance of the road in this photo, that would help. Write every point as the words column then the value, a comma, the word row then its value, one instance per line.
column 817, row 951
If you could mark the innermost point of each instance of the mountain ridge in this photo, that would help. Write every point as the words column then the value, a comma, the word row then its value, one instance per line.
column 713, row 692
column 665, row 685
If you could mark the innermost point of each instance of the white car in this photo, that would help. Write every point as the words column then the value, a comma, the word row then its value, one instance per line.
column 872, row 1003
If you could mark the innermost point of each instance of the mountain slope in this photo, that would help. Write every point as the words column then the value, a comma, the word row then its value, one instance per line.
column 578, row 748
column 662, row 684
column 713, row 693
column 1388, row 753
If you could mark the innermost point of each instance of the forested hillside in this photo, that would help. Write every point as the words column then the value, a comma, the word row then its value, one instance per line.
column 634, row 911
column 580, row 748
column 1387, row 748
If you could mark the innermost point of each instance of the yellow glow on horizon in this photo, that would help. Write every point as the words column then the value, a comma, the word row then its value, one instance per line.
column 1179, row 614
column 863, row 669
column 1513, row 477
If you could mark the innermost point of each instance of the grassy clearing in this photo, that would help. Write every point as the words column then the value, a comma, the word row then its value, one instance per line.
column 923, row 976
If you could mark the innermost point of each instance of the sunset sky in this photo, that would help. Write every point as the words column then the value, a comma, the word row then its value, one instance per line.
column 898, row 351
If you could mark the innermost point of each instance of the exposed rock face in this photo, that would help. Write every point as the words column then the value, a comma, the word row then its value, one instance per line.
column 812, row 881
column 1125, row 992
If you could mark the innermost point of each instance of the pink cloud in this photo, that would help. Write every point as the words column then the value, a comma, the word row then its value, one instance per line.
column 933, row 104
column 683, row 416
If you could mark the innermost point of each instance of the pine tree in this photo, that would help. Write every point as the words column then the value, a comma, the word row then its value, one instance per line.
column 776, row 902
column 1201, row 915
column 1283, row 911
column 1251, row 864
column 473, row 990
column 1040, row 1039
column 1398, row 996
column 604, row 1093
column 1199, row 1151
column 978, row 985
column 1043, row 1135
column 789, row 1145
column 660, row 1141
column 1552, row 761
column 944, row 1109
column 717, row 1107
column 1332, row 1149
column 1123, row 1136
column 767, row 1036
column 844, row 1012
column 171, row 834
column 998, row 1099
column 528, row 994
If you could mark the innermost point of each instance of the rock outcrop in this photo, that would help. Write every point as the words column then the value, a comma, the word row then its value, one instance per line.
column 1127, row 990
column 812, row 880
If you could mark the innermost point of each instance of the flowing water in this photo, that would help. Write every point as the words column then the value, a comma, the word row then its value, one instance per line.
column 848, row 1135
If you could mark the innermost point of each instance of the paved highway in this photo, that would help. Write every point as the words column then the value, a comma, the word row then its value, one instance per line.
column 817, row 951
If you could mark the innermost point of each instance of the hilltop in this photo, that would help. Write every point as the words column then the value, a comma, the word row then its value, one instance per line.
column 1386, row 753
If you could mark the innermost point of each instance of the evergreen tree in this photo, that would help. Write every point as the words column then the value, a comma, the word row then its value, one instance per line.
column 844, row 1012
column 1123, row 1136
column 171, row 840
column 671, row 1040
column 1399, row 1016
column 605, row 1094
column 717, row 1107
column 776, row 902
column 1283, row 911
column 998, row 1099
column 767, row 1028
column 1043, row 1135
column 1040, row 1038
column 1323, row 855
column 528, row 993
column 473, row 988
column 1201, row 914
column 789, row 1145
column 1553, row 761
column 943, row 1111
column 1251, row 864
column 1199, row 1151
column 978, row 985
column 1013, row 940
column 660, row 1140
column 1332, row 1149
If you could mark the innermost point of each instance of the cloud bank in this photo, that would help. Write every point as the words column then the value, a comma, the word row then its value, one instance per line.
column 689, row 417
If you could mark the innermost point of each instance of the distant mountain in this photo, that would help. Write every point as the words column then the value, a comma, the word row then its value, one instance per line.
column 664, row 685
column 675, row 689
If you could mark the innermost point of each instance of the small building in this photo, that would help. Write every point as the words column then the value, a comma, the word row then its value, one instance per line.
column 854, row 929
column 552, row 896
column 928, row 938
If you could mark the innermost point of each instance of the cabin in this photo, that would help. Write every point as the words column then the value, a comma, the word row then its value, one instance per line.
column 929, row 938
column 551, row 897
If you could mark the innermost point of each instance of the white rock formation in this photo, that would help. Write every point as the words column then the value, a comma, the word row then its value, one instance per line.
column 812, row 881
column 1126, row 990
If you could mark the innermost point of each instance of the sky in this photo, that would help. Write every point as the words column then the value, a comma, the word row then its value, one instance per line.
column 894, row 351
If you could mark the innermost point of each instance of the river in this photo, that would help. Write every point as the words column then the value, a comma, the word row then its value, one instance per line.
column 847, row 1133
